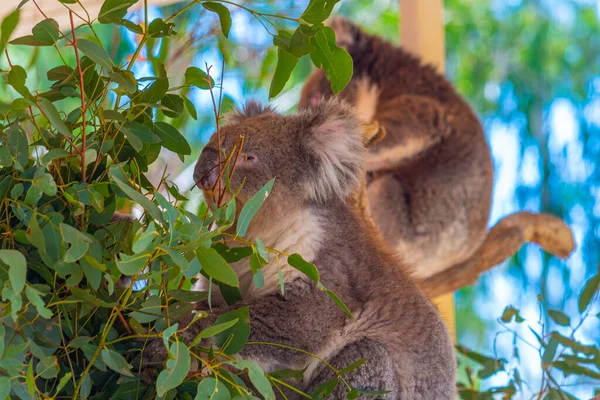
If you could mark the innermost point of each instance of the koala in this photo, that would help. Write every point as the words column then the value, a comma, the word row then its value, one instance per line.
column 317, row 157
column 430, row 179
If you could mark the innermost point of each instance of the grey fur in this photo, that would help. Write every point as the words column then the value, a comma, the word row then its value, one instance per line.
column 396, row 328
column 431, row 200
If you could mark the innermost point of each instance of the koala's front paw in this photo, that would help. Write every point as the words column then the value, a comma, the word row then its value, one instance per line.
column 346, row 32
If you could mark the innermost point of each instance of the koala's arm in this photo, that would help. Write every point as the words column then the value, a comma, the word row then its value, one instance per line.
column 305, row 318
column 413, row 124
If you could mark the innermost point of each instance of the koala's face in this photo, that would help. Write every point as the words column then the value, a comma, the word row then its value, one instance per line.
column 314, row 155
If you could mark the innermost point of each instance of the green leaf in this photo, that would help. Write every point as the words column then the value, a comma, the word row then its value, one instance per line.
column 28, row 40
column 318, row 11
column 353, row 366
column 257, row 377
column 510, row 313
column 286, row 63
column 9, row 23
column 211, row 389
column 119, row 178
column 79, row 243
column 17, row 268
column 132, row 265
column 138, row 134
column 126, row 81
column 297, row 374
column 235, row 337
column 35, row 235
column 216, row 267
column 60, row 73
column 30, row 380
column 189, row 106
column 336, row 62
column 159, row 28
column 251, row 208
column 559, row 317
column 17, row 77
column 116, row 362
column 63, row 382
column 18, row 145
column 171, row 138
column 214, row 330
column 550, row 351
column 112, row 10
column 46, row 31
column 176, row 370
column 588, row 292
column 308, row 269
column 167, row 333
column 224, row 15
column 339, row 302
column 54, row 154
column 35, row 298
column 47, row 368
column 54, row 118
column 45, row 182
column 2, row 339
column 174, row 103
column 154, row 92
column 196, row 77
column 95, row 52
column 5, row 387
column 144, row 240
column 300, row 43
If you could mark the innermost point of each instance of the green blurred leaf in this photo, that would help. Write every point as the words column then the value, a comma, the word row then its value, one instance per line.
column 78, row 241
column 336, row 62
column 224, row 15
column 510, row 313
column 286, row 63
column 339, row 302
column 559, row 317
column 9, row 23
column 588, row 292
column 126, row 81
column 235, row 337
column 216, row 267
column 211, row 389
column 251, row 208
column 112, row 10
column 46, row 31
column 54, row 118
column 116, row 362
column 257, row 377
column 47, row 367
column 213, row 330
column 132, row 265
column 35, row 298
column 196, row 77
column 308, row 269
column 171, row 138
column 17, row 78
column 54, row 154
column 159, row 28
column 119, row 178
column 95, row 52
column 176, row 370
column 318, row 10
column 17, row 268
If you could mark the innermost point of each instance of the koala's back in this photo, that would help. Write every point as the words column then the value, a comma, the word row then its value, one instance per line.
column 432, row 174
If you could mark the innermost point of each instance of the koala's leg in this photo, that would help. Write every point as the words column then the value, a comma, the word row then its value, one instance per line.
column 375, row 374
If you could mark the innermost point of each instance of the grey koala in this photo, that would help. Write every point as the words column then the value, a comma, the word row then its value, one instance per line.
column 430, row 178
column 317, row 157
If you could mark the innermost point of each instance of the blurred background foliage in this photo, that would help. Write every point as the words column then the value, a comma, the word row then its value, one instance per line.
column 531, row 71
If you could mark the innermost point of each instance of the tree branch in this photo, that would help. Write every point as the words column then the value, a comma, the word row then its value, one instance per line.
column 501, row 242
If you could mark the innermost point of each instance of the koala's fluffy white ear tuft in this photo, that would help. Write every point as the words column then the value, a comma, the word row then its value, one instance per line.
column 336, row 137
column 252, row 109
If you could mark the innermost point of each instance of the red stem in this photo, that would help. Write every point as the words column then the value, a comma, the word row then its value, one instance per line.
column 83, row 108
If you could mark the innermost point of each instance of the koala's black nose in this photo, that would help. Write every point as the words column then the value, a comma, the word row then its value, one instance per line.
column 206, row 171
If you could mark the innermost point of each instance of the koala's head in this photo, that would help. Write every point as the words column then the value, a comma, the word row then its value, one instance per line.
column 316, row 155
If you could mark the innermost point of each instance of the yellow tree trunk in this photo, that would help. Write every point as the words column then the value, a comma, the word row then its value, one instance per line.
column 422, row 33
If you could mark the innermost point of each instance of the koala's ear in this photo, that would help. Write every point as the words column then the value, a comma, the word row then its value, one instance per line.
column 252, row 109
column 336, row 139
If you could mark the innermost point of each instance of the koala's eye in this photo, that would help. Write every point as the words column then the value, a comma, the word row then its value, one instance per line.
column 248, row 158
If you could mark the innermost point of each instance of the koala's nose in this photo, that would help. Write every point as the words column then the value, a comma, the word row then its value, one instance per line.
column 206, row 171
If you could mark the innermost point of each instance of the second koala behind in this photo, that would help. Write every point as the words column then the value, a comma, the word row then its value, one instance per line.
column 317, row 158
column 430, row 183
